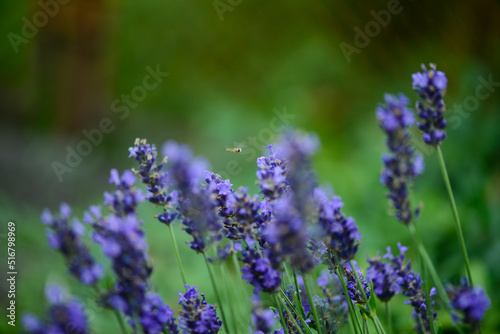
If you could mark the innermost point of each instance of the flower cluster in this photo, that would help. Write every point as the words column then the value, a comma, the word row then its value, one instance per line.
column 153, row 176
column 339, row 233
column 263, row 320
column 68, row 239
column 271, row 173
column 391, row 275
column 196, row 206
column 469, row 304
column 125, row 199
column 291, row 227
column 385, row 273
column 64, row 316
column 197, row 316
column 402, row 165
column 355, row 294
column 260, row 271
column 431, row 86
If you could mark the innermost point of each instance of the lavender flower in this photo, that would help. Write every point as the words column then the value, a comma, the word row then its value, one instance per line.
column 244, row 217
column 68, row 239
column 184, row 171
column 401, row 166
column 431, row 86
column 385, row 273
column 153, row 176
column 196, row 206
column 287, row 236
column 340, row 233
column 197, row 316
column 125, row 199
column 263, row 320
column 272, row 173
column 352, row 284
column 155, row 316
column 411, row 286
column 298, row 149
column 469, row 304
column 65, row 316
column 260, row 271
column 122, row 240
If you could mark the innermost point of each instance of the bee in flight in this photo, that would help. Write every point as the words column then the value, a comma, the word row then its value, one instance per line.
column 236, row 149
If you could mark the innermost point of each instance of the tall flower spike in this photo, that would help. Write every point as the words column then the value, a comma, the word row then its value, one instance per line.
column 263, row 320
column 152, row 175
column 125, row 199
column 411, row 286
column 65, row 316
column 260, row 271
column 196, row 205
column 197, row 316
column 431, row 86
column 288, row 237
column 339, row 233
column 352, row 285
column 402, row 165
column 271, row 173
column 68, row 239
column 469, row 304
column 385, row 271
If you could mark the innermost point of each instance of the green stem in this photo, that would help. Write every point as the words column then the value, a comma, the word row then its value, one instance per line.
column 287, row 302
column 290, row 315
column 217, row 296
column 297, row 294
column 177, row 255
column 373, row 316
column 429, row 265
column 120, row 321
column 458, row 226
column 231, row 305
column 388, row 313
column 280, row 310
column 117, row 314
column 240, row 283
column 352, row 311
column 311, row 302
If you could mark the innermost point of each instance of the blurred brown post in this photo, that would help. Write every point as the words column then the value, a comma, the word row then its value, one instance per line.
column 70, row 61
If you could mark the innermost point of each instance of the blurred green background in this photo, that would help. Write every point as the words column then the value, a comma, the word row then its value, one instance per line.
column 234, row 66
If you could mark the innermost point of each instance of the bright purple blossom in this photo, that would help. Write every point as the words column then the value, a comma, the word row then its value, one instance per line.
column 126, row 198
column 260, row 271
column 339, row 233
column 469, row 304
column 402, row 165
column 197, row 316
column 385, row 273
column 287, row 236
column 155, row 316
column 64, row 315
column 271, row 173
column 68, row 239
column 431, row 86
